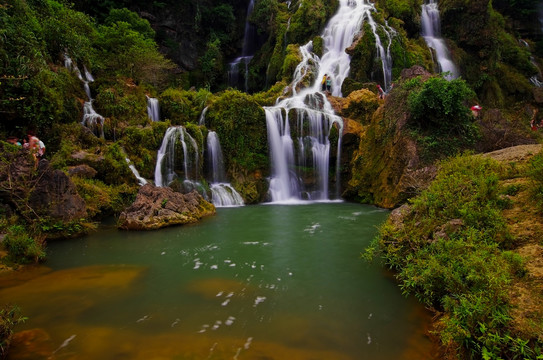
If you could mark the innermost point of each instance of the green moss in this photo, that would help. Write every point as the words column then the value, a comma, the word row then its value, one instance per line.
column 141, row 145
column 362, row 60
column 292, row 59
column 241, row 126
column 318, row 45
column 120, row 101
column 182, row 106
column 102, row 200
column 361, row 105
column 309, row 19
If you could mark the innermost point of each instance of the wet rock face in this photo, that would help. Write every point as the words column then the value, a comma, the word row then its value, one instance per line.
column 157, row 207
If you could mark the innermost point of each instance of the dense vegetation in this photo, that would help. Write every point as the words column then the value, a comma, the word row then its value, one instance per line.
column 179, row 53
column 451, row 248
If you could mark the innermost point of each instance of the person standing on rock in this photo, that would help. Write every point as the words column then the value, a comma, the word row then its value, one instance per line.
column 323, row 82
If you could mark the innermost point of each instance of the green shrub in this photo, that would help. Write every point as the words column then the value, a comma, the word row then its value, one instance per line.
column 9, row 317
column 22, row 247
column 439, row 116
column 450, row 251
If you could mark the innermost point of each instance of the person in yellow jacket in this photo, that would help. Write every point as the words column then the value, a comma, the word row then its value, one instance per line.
column 323, row 82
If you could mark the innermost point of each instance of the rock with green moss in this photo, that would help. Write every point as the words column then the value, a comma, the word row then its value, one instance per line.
column 158, row 207
column 360, row 105
column 182, row 106
column 240, row 124
column 386, row 168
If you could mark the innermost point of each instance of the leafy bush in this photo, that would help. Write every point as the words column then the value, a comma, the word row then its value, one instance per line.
column 440, row 116
column 23, row 248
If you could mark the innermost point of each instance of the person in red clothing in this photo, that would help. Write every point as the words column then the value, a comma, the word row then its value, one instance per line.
column 475, row 110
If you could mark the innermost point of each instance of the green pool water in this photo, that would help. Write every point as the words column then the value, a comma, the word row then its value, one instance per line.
column 254, row 282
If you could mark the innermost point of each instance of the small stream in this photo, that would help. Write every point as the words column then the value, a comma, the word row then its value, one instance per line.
column 254, row 282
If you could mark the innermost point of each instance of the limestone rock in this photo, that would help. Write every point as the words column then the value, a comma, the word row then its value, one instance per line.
column 42, row 191
column 157, row 207
column 82, row 171
column 55, row 195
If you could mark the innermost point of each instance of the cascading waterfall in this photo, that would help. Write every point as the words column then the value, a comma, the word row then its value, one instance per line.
column 169, row 158
column 222, row 193
column 300, row 167
column 91, row 119
column 153, row 110
column 431, row 32
column 247, row 53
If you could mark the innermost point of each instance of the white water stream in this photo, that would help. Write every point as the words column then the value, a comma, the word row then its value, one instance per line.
column 222, row 193
column 91, row 119
column 153, row 109
column 431, row 32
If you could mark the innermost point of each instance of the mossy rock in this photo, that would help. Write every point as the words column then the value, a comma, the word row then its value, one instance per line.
column 360, row 105
column 183, row 106
column 240, row 124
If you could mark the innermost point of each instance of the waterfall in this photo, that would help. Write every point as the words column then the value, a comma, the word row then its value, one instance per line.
column 247, row 53
column 153, row 110
column 91, row 119
column 202, row 119
column 537, row 79
column 431, row 32
column 383, row 53
column 140, row 179
column 177, row 145
column 222, row 193
column 300, row 157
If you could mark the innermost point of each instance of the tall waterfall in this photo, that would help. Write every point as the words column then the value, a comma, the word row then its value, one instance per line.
column 153, row 109
column 247, row 53
column 222, row 193
column 299, row 127
column 178, row 154
column 431, row 32
column 91, row 119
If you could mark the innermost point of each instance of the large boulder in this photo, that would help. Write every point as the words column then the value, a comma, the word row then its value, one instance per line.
column 157, row 207
column 55, row 195
column 37, row 190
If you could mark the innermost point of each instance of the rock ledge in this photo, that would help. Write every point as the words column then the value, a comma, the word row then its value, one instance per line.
column 158, row 207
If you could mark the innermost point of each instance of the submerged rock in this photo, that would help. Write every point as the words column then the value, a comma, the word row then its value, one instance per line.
column 157, row 207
